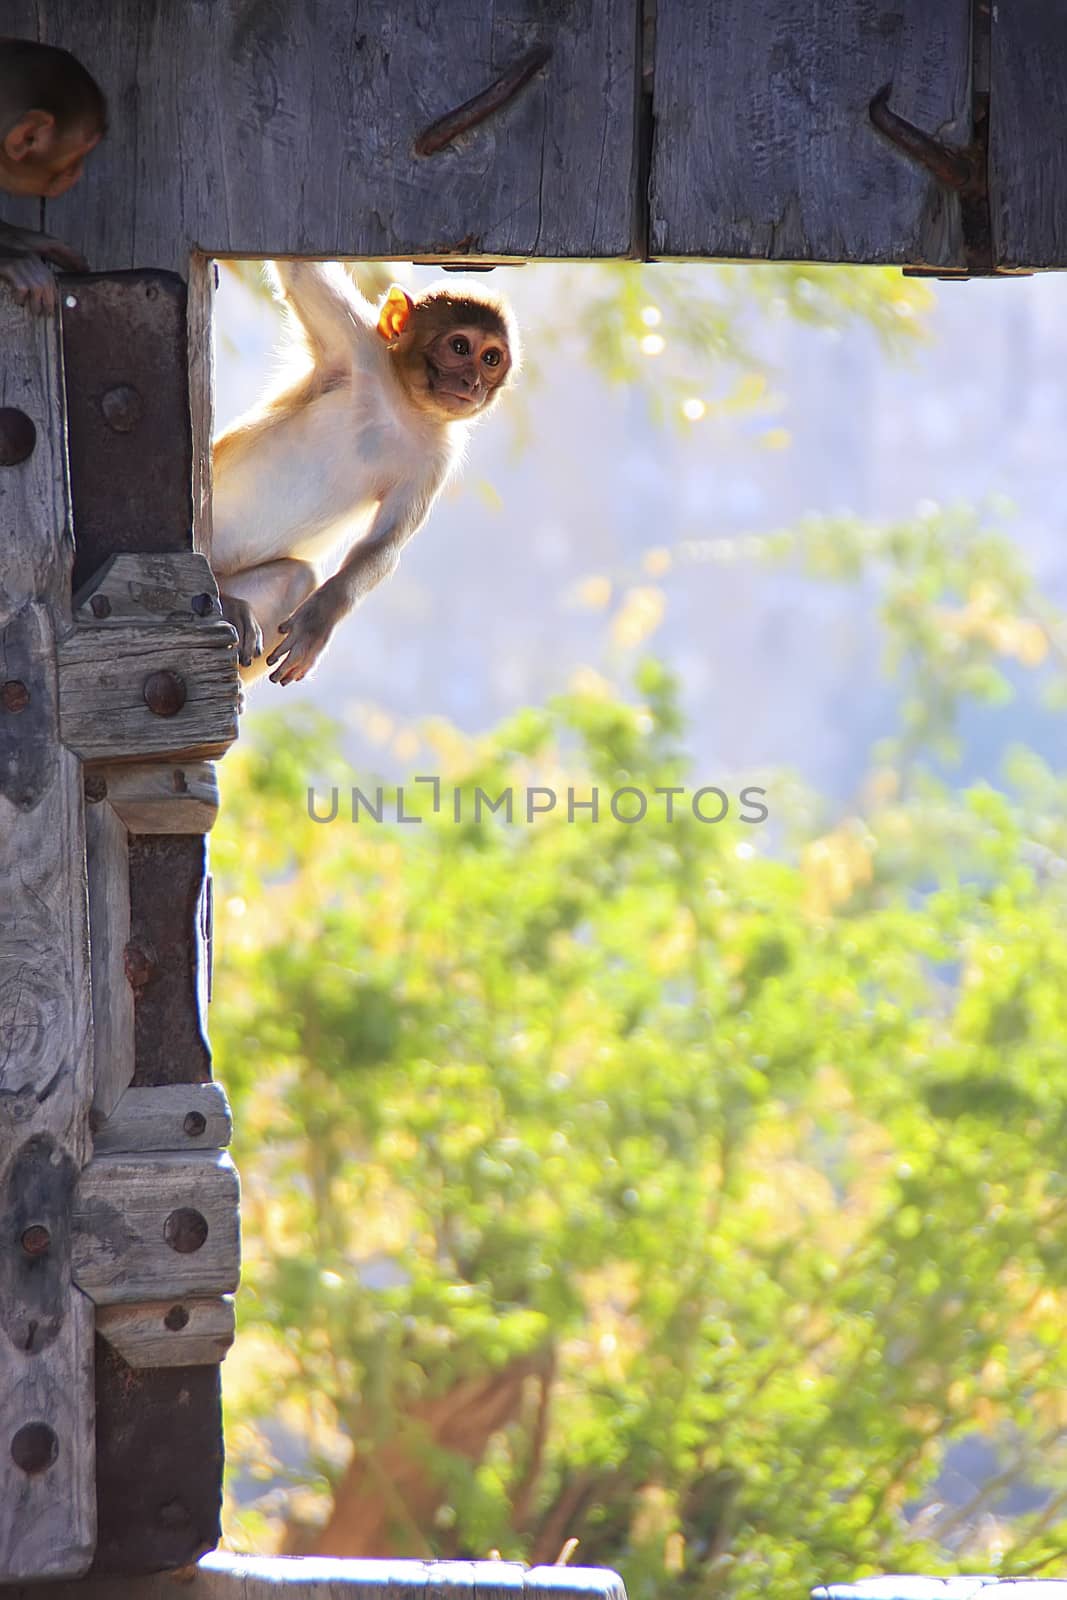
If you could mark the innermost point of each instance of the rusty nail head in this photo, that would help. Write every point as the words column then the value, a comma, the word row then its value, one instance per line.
column 18, row 435
column 100, row 605
column 176, row 1319
column 36, row 1239
column 122, row 408
column 14, row 696
column 95, row 788
column 204, row 605
column 164, row 693
column 139, row 966
column 34, row 1448
column 185, row 1230
column 195, row 1123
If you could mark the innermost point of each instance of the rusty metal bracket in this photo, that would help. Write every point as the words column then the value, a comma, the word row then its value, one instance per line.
column 483, row 105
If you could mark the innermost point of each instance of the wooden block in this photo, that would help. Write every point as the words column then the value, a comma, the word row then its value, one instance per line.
column 108, row 675
column 148, row 1227
column 107, row 854
column 169, row 1333
column 47, row 1493
column 161, row 797
column 180, row 1116
column 177, row 586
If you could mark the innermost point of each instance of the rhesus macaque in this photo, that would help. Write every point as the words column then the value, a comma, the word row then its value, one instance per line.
column 350, row 456
column 52, row 114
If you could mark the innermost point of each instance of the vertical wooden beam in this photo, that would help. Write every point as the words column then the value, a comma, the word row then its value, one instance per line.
column 47, row 1506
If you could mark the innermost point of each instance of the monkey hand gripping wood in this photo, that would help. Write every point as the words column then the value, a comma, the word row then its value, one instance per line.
column 350, row 454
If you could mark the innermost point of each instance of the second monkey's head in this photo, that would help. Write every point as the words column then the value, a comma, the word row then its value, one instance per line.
column 52, row 114
column 454, row 348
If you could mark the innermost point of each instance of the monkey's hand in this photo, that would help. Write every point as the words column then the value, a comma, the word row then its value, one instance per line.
column 307, row 633
column 31, row 282
column 240, row 616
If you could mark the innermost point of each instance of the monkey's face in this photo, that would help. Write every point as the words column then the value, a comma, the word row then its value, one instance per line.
column 460, row 370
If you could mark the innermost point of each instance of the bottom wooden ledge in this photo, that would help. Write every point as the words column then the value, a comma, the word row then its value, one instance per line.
column 227, row 1577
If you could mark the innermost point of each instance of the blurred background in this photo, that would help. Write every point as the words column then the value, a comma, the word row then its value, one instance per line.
column 692, row 1191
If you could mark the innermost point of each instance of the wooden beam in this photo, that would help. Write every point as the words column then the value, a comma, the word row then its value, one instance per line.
column 149, row 1226
column 133, row 690
column 162, row 796
column 224, row 1576
column 282, row 129
column 172, row 586
column 108, row 863
column 169, row 1333
column 763, row 140
column 178, row 1116
column 47, row 1501
column 1027, row 161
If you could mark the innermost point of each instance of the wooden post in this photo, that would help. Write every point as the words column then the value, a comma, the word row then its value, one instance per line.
column 47, row 1495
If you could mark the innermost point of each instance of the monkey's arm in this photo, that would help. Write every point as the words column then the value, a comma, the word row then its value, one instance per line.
column 309, row 630
column 331, row 312
column 23, row 257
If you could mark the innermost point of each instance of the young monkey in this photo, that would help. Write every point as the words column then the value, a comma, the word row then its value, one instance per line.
column 52, row 114
column 353, row 454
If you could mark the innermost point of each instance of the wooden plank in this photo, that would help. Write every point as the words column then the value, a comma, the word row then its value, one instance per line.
column 169, row 1333
column 763, row 145
column 149, row 1226
column 174, row 586
column 1027, row 161
column 47, row 1506
column 273, row 129
column 168, row 888
column 161, row 797
column 134, row 690
column 224, row 1576
column 182, row 1116
column 107, row 848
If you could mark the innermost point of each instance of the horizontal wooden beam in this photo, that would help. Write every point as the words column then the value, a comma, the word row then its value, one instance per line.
column 169, row 1333
column 162, row 796
column 148, row 1227
column 133, row 690
column 223, row 1576
column 172, row 1116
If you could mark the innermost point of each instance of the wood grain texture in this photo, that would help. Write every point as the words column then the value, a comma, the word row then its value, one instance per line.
column 181, row 1116
column 1027, row 156
column 174, row 586
column 223, row 1576
column 103, row 670
column 163, row 797
column 127, row 1208
column 107, row 848
column 47, row 1517
column 763, row 144
column 169, row 1333
column 274, row 128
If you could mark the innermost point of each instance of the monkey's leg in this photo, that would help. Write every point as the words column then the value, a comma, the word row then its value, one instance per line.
column 257, row 600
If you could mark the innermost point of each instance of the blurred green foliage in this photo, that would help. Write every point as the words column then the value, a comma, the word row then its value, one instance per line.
column 750, row 1136
column 736, row 1148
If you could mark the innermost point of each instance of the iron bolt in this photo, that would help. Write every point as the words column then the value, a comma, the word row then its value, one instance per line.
column 36, row 1239
column 164, row 693
column 122, row 408
column 204, row 605
column 185, row 1230
column 194, row 1124
column 14, row 696
column 18, row 435
column 100, row 605
column 34, row 1448
column 95, row 788
column 176, row 1319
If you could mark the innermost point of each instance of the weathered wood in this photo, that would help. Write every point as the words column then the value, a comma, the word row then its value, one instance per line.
column 203, row 275
column 106, row 677
column 176, row 586
column 46, row 1444
column 1027, row 160
column 182, row 1116
column 224, row 1576
column 311, row 118
column 107, row 851
column 161, row 797
column 168, row 888
column 169, row 1333
column 149, row 1226
column 763, row 143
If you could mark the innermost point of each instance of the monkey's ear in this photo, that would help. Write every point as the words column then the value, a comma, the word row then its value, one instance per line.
column 395, row 314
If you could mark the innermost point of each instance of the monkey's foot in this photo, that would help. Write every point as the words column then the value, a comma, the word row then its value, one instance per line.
column 241, row 617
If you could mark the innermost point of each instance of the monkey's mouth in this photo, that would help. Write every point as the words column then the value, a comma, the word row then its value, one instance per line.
column 438, row 385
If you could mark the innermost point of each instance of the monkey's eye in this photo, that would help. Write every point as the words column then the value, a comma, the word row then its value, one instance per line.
column 491, row 358
column 461, row 346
